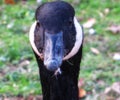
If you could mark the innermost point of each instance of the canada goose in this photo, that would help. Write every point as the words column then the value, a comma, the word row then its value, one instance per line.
column 56, row 38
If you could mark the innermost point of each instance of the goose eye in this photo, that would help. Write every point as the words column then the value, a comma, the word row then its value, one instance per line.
column 70, row 23
column 38, row 24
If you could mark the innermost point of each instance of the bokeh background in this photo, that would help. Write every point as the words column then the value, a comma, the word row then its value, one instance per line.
column 100, row 67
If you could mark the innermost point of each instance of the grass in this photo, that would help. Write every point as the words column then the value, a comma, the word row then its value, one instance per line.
column 15, row 22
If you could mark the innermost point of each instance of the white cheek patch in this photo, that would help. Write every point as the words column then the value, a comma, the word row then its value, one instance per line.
column 78, row 42
column 31, row 38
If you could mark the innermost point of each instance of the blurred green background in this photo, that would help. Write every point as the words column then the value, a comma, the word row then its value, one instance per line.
column 99, row 67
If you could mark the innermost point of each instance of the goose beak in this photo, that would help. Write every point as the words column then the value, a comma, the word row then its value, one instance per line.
column 53, row 53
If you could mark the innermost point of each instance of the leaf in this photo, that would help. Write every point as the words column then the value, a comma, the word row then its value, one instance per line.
column 39, row 1
column 95, row 51
column 118, row 98
column 81, row 83
column 113, row 91
column 82, row 93
column 24, row 63
column 106, row 10
column 30, row 97
column 116, row 56
column 116, row 87
column 9, row 1
column 10, row 25
column 92, row 31
column 114, row 29
column 89, row 23
column 40, row 97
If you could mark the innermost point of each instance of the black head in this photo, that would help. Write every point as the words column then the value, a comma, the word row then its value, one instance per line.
column 55, row 33
column 53, row 16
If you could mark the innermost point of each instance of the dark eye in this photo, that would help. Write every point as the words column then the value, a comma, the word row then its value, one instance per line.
column 38, row 23
column 70, row 23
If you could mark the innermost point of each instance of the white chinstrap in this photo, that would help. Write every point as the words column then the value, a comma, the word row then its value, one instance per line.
column 78, row 42
column 31, row 38
column 77, row 45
